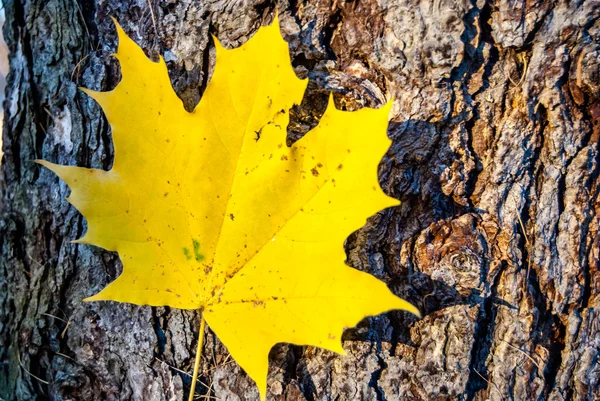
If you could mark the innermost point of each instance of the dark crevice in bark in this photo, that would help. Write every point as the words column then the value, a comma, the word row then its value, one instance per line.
column 569, row 394
column 524, row 243
column 19, row 246
column 13, row 136
column 484, row 24
column 485, row 36
column 541, row 116
column 561, row 184
column 87, row 10
column 11, row 132
column 530, row 287
column 486, row 321
column 106, row 143
column 307, row 386
column 587, row 286
column 375, row 376
column 556, row 347
column 537, row 161
column 471, row 180
column 472, row 58
column 292, row 6
column 161, row 338
column 36, row 107
column 540, row 22
column 551, row 333
column 584, row 237
column 266, row 10
column 482, row 16
column 594, row 194
column 296, row 352
column 206, row 67
column 36, row 368
column 69, row 275
column 332, row 24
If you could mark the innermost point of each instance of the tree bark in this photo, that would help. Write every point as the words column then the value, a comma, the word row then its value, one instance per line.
column 495, row 128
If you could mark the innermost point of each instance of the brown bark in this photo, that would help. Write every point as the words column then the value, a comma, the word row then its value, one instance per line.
column 495, row 132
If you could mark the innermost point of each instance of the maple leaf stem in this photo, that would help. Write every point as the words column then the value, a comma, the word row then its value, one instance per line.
column 197, row 361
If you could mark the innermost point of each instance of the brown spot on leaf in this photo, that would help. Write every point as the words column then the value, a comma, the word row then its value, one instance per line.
column 258, row 303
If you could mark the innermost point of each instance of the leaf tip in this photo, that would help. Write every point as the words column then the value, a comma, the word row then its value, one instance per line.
column 82, row 240
column 122, row 38
column 55, row 168
column 90, row 298
column 275, row 21
column 218, row 46
column 411, row 308
column 97, row 96
column 330, row 103
column 87, row 91
column 100, row 296
column 389, row 105
column 114, row 20
column 393, row 202
column 120, row 31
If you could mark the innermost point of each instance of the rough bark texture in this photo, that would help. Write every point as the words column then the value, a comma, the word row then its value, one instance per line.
column 496, row 128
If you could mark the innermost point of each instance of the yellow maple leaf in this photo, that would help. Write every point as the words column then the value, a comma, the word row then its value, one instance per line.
column 211, row 210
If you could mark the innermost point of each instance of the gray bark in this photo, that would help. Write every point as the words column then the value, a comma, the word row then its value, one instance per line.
column 495, row 128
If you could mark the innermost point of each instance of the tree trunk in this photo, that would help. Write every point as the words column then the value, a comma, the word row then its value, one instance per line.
column 495, row 128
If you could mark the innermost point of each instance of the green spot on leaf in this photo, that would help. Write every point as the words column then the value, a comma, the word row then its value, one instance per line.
column 199, row 257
